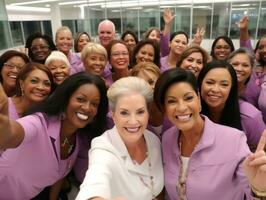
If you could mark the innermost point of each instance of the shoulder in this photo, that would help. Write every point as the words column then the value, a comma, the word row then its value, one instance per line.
column 247, row 110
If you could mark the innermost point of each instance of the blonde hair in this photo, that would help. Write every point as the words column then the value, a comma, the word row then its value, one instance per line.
column 62, row 28
column 129, row 85
column 93, row 48
column 57, row 55
column 145, row 66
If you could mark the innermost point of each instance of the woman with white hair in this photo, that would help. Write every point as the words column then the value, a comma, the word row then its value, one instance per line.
column 59, row 65
column 126, row 160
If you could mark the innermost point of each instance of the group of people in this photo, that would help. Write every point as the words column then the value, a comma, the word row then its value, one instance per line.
column 157, row 118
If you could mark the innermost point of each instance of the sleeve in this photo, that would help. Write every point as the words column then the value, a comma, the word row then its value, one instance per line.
column 242, row 152
column 262, row 99
column 246, row 44
column 98, row 176
column 32, row 125
column 164, row 44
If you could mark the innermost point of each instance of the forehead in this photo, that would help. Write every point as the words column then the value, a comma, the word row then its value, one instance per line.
column 195, row 55
column 154, row 32
column 64, row 33
column 218, row 74
column 119, row 46
column 122, row 101
column 240, row 55
column 179, row 89
column 147, row 47
column 57, row 62
column 180, row 37
column 106, row 26
column 38, row 41
column 37, row 73
column 129, row 36
column 221, row 42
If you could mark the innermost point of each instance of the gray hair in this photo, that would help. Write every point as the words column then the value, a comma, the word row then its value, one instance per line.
column 57, row 55
column 93, row 48
column 250, row 55
column 106, row 21
column 129, row 85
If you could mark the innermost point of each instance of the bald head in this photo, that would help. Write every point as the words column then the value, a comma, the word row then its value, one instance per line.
column 106, row 32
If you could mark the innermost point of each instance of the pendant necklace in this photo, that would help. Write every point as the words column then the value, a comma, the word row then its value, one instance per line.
column 65, row 142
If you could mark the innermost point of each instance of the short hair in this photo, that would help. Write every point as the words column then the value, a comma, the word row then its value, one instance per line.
column 193, row 48
column 57, row 103
column 129, row 85
column 112, row 43
column 230, row 115
column 8, row 55
column 27, row 69
column 142, row 43
column 226, row 39
column 93, row 48
column 36, row 35
column 248, row 53
column 79, row 34
column 130, row 33
column 172, row 36
column 106, row 21
column 167, row 79
column 145, row 66
column 60, row 29
column 57, row 55
column 148, row 32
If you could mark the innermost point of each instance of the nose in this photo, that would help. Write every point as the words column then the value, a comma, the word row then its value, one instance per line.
column 40, row 86
column 58, row 70
column 215, row 88
column 132, row 119
column 181, row 107
column 86, row 106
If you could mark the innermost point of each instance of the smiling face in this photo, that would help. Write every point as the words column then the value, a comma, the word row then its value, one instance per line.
column 64, row 41
column 36, row 87
column 59, row 70
column 95, row 63
column 131, row 117
column 40, row 50
column 216, row 87
column 178, row 44
column 262, row 49
column 242, row 66
column 130, row 41
column 155, row 35
column 106, row 33
column 119, row 56
column 82, row 107
column 193, row 63
column 10, row 71
column 82, row 41
column 222, row 50
column 182, row 106
column 145, row 54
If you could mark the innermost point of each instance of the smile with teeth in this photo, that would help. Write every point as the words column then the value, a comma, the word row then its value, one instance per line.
column 82, row 116
column 132, row 129
column 214, row 97
column 183, row 118
column 12, row 76
column 59, row 78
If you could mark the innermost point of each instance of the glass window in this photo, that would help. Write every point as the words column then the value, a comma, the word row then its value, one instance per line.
column 202, row 18
column 31, row 27
column 71, row 24
column 149, row 17
column 16, row 33
column 182, row 18
column 262, row 22
column 221, row 15
column 114, row 14
column 240, row 9
column 5, row 41
column 130, row 19
column 47, row 28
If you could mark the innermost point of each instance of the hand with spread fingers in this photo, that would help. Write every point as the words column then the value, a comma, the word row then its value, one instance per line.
column 168, row 16
column 255, row 168
column 198, row 37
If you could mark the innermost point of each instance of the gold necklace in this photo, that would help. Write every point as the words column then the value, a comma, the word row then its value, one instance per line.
column 70, row 145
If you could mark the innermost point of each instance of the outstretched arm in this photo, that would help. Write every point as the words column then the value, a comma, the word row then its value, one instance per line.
column 168, row 17
column 11, row 132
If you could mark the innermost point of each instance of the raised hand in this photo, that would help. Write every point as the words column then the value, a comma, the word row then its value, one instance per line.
column 243, row 23
column 198, row 37
column 168, row 16
column 255, row 166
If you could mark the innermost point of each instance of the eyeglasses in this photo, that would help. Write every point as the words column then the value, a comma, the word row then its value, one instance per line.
column 116, row 54
column 12, row 66
column 222, row 47
column 41, row 47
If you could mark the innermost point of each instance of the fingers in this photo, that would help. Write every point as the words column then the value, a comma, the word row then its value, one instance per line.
column 262, row 142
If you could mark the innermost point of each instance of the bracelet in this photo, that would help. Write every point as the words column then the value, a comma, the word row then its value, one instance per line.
column 258, row 192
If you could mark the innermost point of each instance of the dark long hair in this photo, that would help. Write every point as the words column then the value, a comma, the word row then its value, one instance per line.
column 230, row 115
column 226, row 39
column 59, row 100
